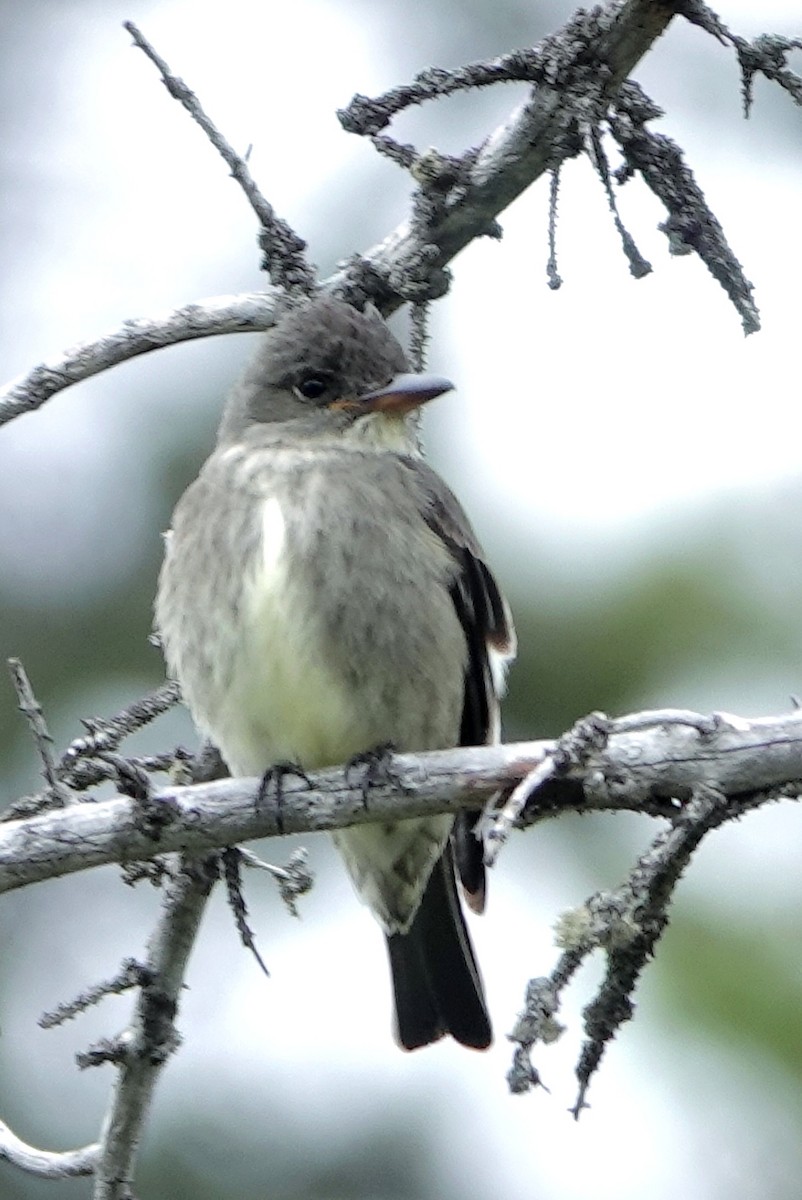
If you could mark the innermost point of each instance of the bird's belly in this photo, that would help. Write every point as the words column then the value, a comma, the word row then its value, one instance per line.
column 282, row 700
column 390, row 864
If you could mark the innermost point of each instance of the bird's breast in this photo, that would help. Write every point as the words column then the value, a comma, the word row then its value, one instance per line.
column 318, row 623
column 284, row 699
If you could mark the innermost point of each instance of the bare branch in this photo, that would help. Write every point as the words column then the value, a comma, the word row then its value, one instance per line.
column 626, row 924
column 578, row 72
column 152, row 1036
column 590, row 56
column 648, row 771
column 639, row 912
column 573, row 748
column 89, row 760
column 552, row 274
column 698, row 13
column 638, row 265
column 46, row 1164
column 231, row 859
column 537, row 1023
column 767, row 55
column 247, row 313
column 516, row 154
column 223, row 813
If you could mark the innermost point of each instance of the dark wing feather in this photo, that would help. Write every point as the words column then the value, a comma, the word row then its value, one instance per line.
column 488, row 629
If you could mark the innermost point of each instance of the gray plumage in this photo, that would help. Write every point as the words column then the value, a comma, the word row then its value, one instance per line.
column 352, row 352
column 323, row 593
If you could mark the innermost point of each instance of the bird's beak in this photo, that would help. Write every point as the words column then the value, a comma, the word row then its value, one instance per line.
column 400, row 395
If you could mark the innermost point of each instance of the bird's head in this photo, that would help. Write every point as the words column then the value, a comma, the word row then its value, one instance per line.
column 327, row 366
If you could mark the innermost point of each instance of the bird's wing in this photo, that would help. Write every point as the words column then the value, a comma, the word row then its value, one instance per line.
column 490, row 637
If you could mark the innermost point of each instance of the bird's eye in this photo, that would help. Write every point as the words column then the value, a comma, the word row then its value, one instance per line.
column 313, row 387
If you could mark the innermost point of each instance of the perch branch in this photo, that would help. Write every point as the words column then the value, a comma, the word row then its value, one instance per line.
column 650, row 769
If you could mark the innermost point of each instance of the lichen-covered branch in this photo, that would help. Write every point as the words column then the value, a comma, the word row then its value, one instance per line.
column 625, row 924
column 575, row 73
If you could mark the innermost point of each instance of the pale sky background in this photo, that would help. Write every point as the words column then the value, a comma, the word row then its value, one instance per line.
column 117, row 207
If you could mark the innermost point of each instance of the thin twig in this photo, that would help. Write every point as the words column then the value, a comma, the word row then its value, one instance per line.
column 106, row 733
column 419, row 334
column 639, row 917
column 537, row 1023
column 90, row 760
column 626, row 924
column 131, row 974
column 230, row 859
column 704, row 725
column 552, row 274
column 282, row 247
column 588, row 735
column 294, row 880
column 767, row 55
column 638, row 265
column 690, row 225
column 31, row 709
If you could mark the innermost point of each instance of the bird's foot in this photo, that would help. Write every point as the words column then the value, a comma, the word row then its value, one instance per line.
column 376, row 768
column 274, row 778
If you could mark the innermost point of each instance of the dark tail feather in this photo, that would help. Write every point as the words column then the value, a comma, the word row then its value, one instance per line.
column 469, row 852
column 438, row 989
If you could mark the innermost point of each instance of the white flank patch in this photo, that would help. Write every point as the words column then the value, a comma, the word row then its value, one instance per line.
column 274, row 534
column 500, row 662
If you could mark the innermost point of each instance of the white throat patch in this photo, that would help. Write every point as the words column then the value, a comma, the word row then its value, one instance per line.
column 383, row 431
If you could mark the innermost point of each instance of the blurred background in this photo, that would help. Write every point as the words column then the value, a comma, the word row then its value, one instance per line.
column 634, row 468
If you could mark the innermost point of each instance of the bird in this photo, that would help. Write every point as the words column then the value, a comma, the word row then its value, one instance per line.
column 323, row 594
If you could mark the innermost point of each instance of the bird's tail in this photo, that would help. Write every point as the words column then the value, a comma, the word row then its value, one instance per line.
column 437, row 985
